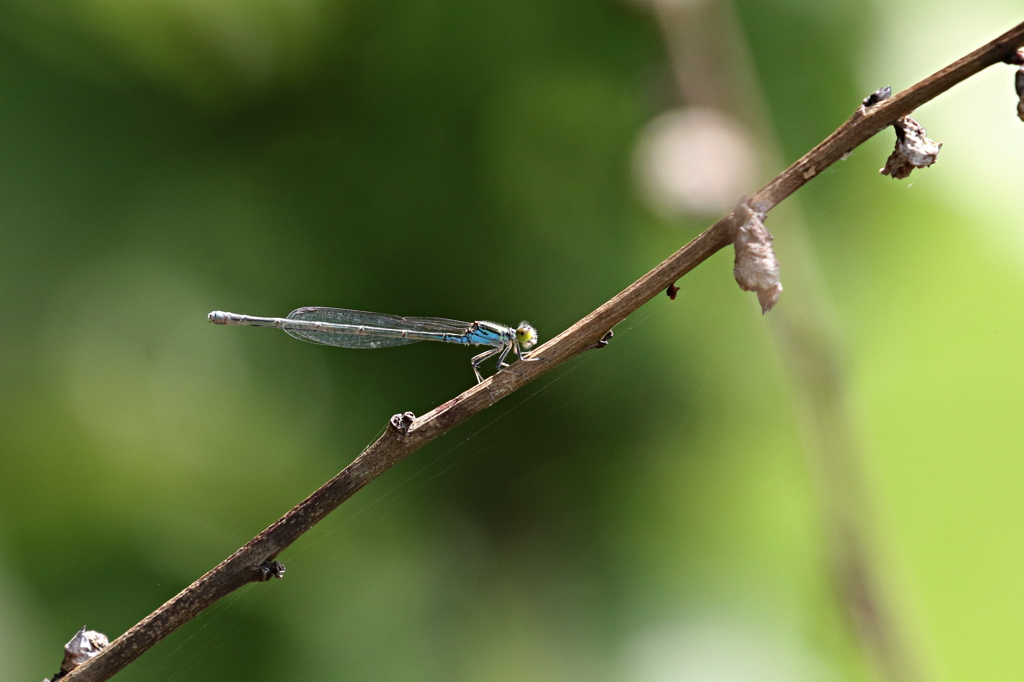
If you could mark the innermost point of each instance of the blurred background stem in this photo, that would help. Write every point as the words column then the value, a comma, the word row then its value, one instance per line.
column 713, row 69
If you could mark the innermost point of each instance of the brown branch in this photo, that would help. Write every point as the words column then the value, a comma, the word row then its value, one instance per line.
column 407, row 434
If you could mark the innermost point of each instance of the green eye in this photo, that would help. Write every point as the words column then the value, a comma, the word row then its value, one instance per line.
column 526, row 336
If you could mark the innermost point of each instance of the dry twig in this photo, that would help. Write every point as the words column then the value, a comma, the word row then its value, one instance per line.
column 254, row 562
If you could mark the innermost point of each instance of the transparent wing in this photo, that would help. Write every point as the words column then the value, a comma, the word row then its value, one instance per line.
column 361, row 329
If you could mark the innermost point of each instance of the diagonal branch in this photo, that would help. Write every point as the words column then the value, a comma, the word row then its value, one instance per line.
column 407, row 433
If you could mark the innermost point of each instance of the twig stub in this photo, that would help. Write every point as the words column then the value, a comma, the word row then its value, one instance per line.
column 86, row 644
column 877, row 96
column 400, row 423
column 271, row 568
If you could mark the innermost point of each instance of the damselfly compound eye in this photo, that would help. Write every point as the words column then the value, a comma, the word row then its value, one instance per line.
column 526, row 335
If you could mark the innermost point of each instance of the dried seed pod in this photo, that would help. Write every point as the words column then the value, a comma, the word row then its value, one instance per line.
column 755, row 268
column 1019, row 85
column 914, row 149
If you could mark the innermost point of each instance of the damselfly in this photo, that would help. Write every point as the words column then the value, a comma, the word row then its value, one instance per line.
column 358, row 329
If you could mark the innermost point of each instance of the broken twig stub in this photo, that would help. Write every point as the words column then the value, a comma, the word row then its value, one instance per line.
column 86, row 644
column 879, row 95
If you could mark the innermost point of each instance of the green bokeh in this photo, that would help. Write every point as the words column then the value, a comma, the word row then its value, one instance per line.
column 644, row 513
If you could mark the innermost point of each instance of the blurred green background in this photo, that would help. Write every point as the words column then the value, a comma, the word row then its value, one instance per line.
column 653, row 511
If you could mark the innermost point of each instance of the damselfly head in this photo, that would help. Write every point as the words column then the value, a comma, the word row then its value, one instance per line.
column 526, row 335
